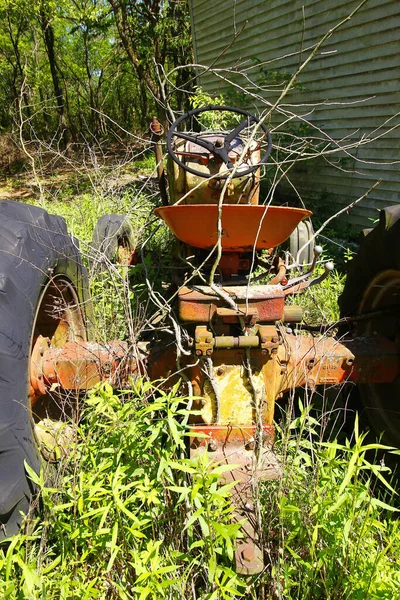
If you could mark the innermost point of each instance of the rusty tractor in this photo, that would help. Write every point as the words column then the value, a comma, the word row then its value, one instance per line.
column 236, row 348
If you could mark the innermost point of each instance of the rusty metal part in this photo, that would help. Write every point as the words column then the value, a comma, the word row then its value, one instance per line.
column 330, row 362
column 227, row 392
column 204, row 341
column 281, row 275
column 192, row 189
column 232, row 263
column 80, row 365
column 229, row 315
column 265, row 303
column 298, row 361
column 269, row 338
column 241, row 341
column 157, row 129
column 292, row 288
column 59, row 317
column 292, row 314
column 249, row 451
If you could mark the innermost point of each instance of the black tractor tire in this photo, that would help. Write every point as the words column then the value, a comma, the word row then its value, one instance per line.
column 378, row 257
column 35, row 251
column 112, row 234
column 300, row 236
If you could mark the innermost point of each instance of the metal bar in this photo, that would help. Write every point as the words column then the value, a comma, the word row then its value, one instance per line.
column 157, row 129
column 241, row 341
column 249, row 451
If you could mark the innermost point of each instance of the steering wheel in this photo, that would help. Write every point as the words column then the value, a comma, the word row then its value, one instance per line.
column 216, row 148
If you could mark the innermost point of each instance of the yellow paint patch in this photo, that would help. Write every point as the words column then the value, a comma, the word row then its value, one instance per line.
column 235, row 396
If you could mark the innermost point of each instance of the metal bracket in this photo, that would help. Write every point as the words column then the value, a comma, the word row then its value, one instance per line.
column 204, row 341
column 269, row 338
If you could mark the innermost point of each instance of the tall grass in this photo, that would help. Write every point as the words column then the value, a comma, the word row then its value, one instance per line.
column 126, row 515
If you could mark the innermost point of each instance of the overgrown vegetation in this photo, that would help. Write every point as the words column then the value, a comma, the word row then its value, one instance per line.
column 127, row 515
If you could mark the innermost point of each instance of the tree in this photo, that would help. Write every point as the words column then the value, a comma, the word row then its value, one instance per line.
column 155, row 35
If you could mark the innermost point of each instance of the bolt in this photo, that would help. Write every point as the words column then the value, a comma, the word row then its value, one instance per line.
column 274, row 351
column 350, row 361
column 212, row 445
column 220, row 371
column 263, row 339
column 248, row 553
column 275, row 339
column 199, row 352
column 198, row 340
column 208, row 340
column 250, row 445
column 209, row 352
column 311, row 384
column 264, row 352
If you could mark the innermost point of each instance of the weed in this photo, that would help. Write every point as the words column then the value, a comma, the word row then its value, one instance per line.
column 130, row 516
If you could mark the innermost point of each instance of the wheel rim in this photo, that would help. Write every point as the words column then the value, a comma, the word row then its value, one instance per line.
column 58, row 317
column 124, row 252
column 381, row 401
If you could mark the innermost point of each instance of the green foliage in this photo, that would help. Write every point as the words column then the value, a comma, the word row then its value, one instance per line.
column 129, row 516
column 320, row 303
column 213, row 120
column 332, row 532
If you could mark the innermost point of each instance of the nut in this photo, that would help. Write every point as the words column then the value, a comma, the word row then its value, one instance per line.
column 248, row 553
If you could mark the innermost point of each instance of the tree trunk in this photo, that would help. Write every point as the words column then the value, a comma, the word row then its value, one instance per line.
column 48, row 34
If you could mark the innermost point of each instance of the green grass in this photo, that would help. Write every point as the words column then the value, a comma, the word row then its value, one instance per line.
column 128, row 516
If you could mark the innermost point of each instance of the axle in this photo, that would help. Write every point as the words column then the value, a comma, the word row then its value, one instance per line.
column 286, row 360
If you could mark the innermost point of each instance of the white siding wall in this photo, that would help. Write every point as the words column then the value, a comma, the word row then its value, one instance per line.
column 361, row 61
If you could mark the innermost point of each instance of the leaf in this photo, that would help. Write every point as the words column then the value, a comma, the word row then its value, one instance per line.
column 180, row 466
column 376, row 502
column 33, row 476
column 52, row 565
column 194, row 517
column 174, row 431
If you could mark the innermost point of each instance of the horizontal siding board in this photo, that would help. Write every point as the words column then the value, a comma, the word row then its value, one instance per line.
column 358, row 62
column 283, row 34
